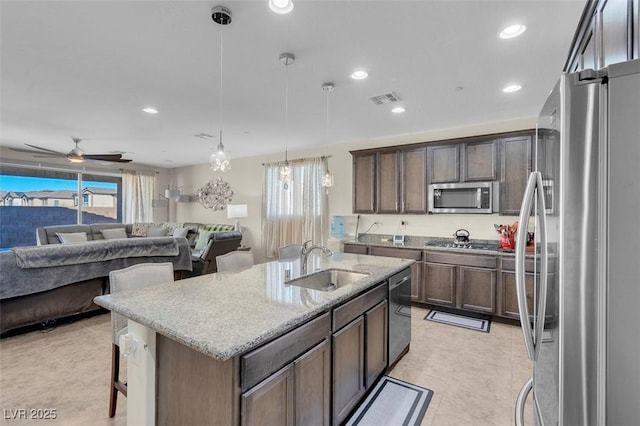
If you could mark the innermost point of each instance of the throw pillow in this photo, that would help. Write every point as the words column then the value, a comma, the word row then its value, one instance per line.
column 217, row 227
column 203, row 237
column 157, row 231
column 72, row 237
column 114, row 233
column 139, row 230
column 180, row 232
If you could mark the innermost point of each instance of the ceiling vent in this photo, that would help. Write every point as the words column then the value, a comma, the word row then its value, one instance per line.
column 203, row 136
column 387, row 98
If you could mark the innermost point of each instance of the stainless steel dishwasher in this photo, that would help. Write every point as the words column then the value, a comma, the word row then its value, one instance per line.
column 399, row 314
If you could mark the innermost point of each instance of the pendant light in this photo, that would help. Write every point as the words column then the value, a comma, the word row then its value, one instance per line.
column 285, row 170
column 220, row 160
column 327, row 178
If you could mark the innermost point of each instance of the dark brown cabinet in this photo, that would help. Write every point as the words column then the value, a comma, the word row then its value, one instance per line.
column 355, row 248
column 388, row 182
column 359, row 348
column 461, row 281
column 607, row 34
column 364, row 183
column 444, row 163
column 414, row 180
column 479, row 161
column 299, row 391
column 270, row 402
column 416, row 273
column 515, row 166
column 376, row 329
column 508, row 299
column 395, row 183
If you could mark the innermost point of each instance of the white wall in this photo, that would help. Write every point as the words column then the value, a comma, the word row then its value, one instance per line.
column 246, row 180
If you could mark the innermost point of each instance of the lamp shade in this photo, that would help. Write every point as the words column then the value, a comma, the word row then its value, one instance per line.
column 172, row 193
column 235, row 211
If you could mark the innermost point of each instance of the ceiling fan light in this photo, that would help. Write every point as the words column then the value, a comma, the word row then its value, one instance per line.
column 75, row 158
column 281, row 6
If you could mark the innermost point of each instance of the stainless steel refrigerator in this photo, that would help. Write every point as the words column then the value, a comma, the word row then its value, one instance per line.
column 583, row 200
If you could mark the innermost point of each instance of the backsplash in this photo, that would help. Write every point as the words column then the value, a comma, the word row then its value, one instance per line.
column 480, row 226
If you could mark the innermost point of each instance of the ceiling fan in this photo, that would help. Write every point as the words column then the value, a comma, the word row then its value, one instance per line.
column 76, row 155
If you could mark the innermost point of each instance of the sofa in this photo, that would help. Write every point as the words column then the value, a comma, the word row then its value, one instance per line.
column 54, row 280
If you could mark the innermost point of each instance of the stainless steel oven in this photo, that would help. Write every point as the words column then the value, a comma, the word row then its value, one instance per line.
column 399, row 314
column 468, row 197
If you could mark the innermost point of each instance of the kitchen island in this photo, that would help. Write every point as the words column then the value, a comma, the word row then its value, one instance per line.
column 240, row 348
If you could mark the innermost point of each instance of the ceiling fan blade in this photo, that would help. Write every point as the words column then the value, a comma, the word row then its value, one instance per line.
column 31, row 151
column 45, row 155
column 45, row 149
column 103, row 157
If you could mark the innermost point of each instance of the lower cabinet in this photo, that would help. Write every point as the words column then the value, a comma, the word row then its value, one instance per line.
column 348, row 368
column 508, row 301
column 359, row 349
column 297, row 394
column 460, row 281
column 402, row 253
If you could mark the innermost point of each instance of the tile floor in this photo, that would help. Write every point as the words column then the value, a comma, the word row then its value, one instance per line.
column 475, row 376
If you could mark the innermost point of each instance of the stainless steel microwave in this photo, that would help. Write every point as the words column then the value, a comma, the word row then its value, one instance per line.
column 468, row 197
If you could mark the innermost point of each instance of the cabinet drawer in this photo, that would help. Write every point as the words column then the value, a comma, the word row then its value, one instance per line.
column 509, row 264
column 260, row 363
column 356, row 249
column 351, row 310
column 396, row 252
column 461, row 259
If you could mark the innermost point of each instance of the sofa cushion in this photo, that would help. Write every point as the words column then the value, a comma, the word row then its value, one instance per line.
column 114, row 233
column 72, row 237
column 97, row 228
column 180, row 232
column 203, row 237
column 139, row 230
column 157, row 231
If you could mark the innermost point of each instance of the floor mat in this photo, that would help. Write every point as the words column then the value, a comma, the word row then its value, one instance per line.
column 392, row 402
column 471, row 323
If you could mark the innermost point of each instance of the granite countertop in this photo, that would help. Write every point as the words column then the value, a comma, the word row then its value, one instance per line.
column 226, row 314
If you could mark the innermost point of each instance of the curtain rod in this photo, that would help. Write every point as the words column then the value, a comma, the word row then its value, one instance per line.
column 297, row 160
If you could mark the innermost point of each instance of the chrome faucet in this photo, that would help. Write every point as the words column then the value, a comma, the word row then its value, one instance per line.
column 305, row 251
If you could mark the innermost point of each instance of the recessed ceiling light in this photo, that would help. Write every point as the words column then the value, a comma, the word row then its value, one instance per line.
column 281, row 6
column 512, row 31
column 150, row 110
column 398, row 110
column 359, row 75
column 511, row 88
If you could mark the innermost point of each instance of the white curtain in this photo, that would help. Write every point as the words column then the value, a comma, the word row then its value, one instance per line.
column 137, row 193
column 296, row 214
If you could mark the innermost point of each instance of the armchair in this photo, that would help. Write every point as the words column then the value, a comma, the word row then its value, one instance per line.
column 204, row 262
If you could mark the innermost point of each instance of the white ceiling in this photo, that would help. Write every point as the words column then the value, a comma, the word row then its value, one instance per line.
column 87, row 68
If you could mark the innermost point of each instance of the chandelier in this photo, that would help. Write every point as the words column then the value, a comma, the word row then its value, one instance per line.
column 327, row 177
column 285, row 169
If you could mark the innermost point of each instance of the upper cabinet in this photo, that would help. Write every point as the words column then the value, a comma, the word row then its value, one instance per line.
column 607, row 34
column 463, row 162
column 364, row 183
column 515, row 166
column 390, row 181
column 395, row 179
column 479, row 161
column 444, row 163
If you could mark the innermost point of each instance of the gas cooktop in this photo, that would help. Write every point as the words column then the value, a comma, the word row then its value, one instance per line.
column 468, row 245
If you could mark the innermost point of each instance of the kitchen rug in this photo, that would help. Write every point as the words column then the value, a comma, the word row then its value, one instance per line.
column 471, row 323
column 392, row 402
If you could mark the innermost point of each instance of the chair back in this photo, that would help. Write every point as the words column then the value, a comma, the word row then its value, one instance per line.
column 289, row 252
column 234, row 261
column 133, row 278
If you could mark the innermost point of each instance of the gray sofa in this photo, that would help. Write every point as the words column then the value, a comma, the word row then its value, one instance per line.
column 44, row 283
column 52, row 280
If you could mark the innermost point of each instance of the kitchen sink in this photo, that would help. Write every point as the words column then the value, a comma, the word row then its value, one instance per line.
column 328, row 279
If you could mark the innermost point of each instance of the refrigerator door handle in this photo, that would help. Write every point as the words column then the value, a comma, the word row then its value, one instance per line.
column 542, row 299
column 522, row 398
column 521, row 291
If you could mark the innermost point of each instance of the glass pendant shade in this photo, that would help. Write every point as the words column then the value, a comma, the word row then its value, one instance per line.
column 285, row 174
column 220, row 160
column 327, row 179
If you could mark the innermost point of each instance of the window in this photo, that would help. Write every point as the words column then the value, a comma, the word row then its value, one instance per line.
column 38, row 197
column 296, row 214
